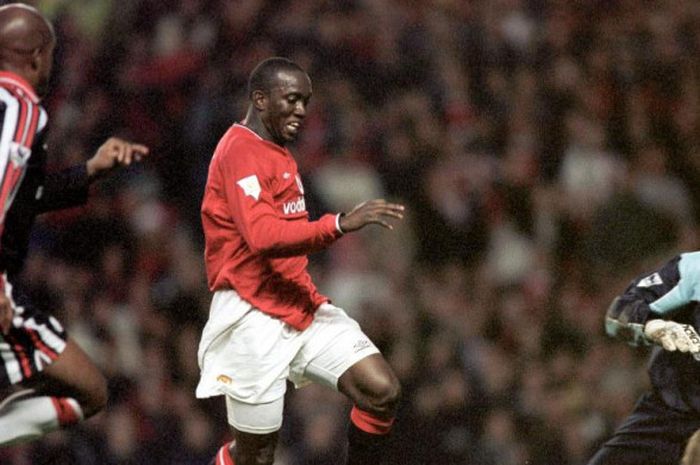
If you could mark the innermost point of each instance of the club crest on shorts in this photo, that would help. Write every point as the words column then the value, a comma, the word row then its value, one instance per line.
column 224, row 379
column 360, row 345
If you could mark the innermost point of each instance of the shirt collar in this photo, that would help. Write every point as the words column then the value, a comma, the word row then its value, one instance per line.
column 7, row 77
column 274, row 145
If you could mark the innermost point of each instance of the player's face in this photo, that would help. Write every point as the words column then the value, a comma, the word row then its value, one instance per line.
column 286, row 106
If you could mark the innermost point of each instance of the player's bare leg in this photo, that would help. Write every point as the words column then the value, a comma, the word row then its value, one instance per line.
column 248, row 449
column 75, row 375
column 373, row 387
column 691, row 454
column 67, row 391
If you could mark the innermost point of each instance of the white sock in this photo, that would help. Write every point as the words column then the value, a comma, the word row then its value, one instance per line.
column 27, row 419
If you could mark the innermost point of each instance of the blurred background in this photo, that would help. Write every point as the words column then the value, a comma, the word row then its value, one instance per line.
column 547, row 151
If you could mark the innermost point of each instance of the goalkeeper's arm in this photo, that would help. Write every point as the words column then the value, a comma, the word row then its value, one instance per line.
column 625, row 320
column 628, row 320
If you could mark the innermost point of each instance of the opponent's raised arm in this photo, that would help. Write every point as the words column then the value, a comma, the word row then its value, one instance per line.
column 114, row 153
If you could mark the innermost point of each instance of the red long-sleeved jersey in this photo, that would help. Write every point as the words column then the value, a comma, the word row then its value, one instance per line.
column 257, row 230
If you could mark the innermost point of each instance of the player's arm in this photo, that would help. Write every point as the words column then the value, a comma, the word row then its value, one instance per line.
column 641, row 314
column 251, row 205
column 249, row 197
column 63, row 189
column 268, row 234
column 625, row 319
column 69, row 187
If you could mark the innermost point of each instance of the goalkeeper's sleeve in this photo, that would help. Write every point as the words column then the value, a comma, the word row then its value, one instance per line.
column 625, row 320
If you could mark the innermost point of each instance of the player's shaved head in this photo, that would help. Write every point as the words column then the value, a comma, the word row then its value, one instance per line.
column 23, row 28
column 27, row 39
column 264, row 76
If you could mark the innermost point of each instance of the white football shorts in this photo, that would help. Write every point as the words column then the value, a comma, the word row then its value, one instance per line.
column 248, row 355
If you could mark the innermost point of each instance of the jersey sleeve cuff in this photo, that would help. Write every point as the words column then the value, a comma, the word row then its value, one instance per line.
column 337, row 223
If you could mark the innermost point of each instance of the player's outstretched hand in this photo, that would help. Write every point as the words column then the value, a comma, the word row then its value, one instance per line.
column 5, row 313
column 115, row 152
column 673, row 336
column 377, row 211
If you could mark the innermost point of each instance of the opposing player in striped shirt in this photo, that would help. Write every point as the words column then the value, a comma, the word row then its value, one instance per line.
column 46, row 380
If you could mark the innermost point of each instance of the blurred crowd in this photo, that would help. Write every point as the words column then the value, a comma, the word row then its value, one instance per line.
column 548, row 151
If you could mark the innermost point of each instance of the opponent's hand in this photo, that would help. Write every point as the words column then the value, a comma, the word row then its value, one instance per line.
column 673, row 336
column 377, row 211
column 6, row 313
column 115, row 152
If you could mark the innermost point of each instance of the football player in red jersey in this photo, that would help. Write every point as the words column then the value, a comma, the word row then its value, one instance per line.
column 46, row 380
column 268, row 323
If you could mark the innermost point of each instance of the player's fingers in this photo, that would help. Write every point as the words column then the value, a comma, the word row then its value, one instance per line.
column 129, row 155
column 395, row 208
column 120, row 150
column 693, row 347
column 140, row 149
column 389, row 206
column 391, row 213
column 667, row 342
column 682, row 344
column 384, row 224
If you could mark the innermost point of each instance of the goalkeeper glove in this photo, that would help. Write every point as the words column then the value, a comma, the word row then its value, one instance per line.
column 673, row 336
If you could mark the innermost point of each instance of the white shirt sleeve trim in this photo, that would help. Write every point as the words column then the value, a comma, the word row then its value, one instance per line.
column 337, row 223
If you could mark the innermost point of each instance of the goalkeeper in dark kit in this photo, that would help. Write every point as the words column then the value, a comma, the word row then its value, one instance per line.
column 662, row 309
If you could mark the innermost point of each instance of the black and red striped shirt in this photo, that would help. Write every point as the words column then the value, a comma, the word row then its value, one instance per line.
column 23, row 119
column 25, row 189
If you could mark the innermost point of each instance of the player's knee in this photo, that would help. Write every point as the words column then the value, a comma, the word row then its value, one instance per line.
column 385, row 395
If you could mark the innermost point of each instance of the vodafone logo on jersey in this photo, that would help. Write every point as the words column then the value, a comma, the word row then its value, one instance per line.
column 295, row 206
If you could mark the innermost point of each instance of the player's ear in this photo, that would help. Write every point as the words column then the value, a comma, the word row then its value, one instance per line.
column 36, row 59
column 259, row 100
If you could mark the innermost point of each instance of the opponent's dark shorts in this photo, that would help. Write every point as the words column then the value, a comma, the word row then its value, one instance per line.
column 34, row 341
column 654, row 434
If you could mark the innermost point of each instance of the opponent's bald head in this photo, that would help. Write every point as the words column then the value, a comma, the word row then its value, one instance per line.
column 27, row 40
